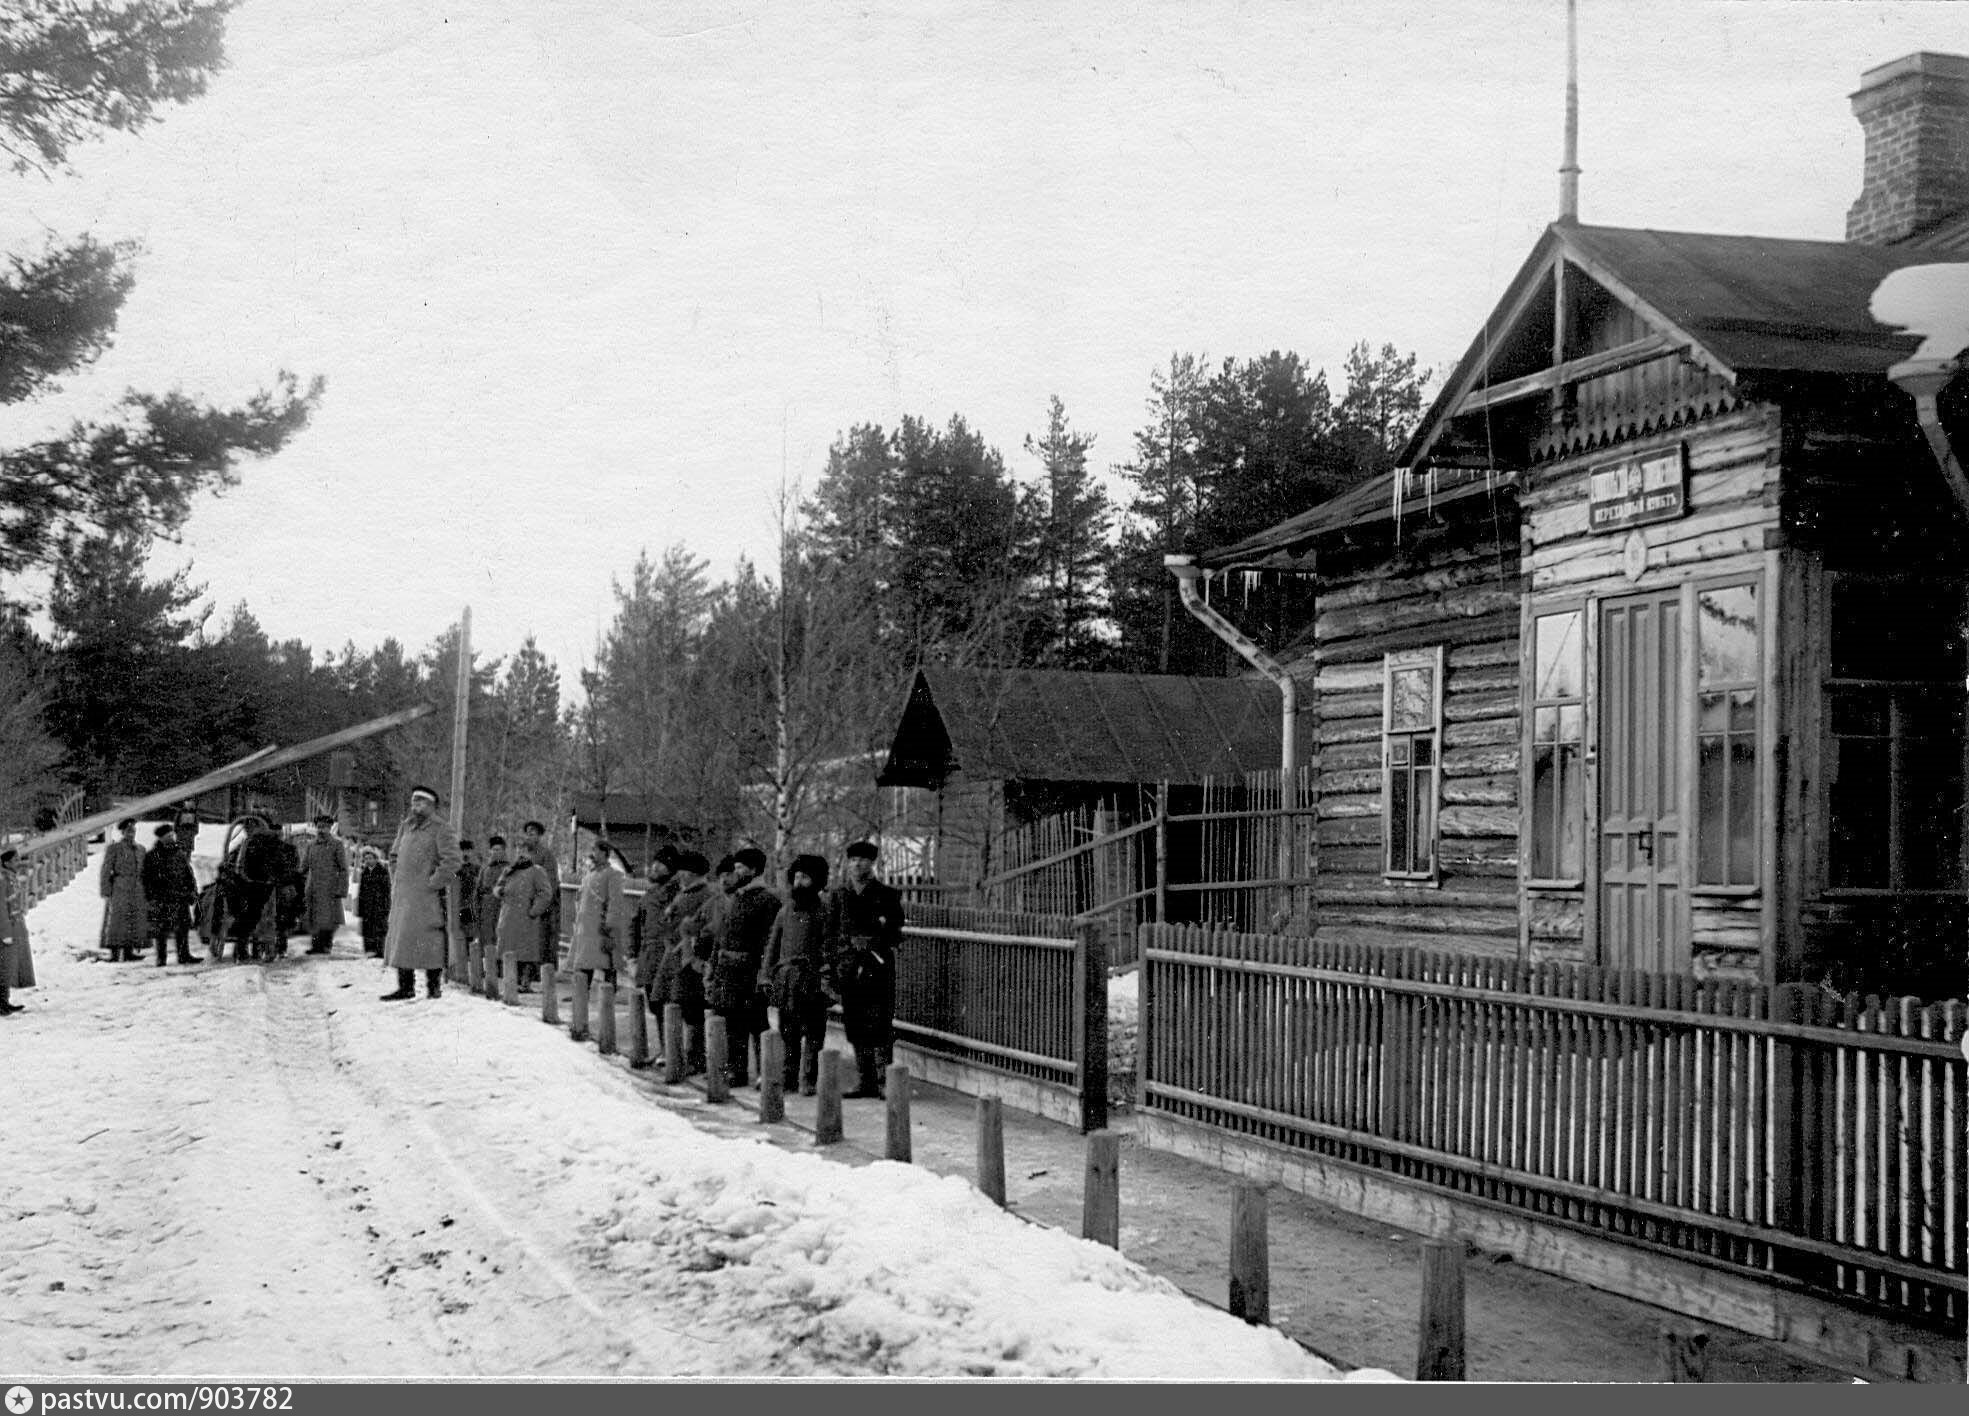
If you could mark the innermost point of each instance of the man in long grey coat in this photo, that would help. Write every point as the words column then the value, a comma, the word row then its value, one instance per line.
column 126, row 916
column 324, row 886
column 424, row 861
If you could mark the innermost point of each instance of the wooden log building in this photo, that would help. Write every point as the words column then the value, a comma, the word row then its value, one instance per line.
column 1651, row 652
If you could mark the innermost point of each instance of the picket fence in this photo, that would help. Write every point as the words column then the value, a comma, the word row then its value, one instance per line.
column 1812, row 1139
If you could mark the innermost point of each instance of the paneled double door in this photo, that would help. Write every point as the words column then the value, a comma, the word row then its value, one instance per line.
column 1641, row 916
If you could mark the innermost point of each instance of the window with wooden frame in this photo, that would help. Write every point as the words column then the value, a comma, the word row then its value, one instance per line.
column 1727, row 690
column 1894, row 727
column 1411, row 761
column 1558, row 745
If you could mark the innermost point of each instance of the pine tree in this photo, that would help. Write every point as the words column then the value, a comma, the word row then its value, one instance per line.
column 1074, row 520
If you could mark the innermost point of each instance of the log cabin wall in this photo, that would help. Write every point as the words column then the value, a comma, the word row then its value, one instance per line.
column 1729, row 535
column 1450, row 581
column 970, row 815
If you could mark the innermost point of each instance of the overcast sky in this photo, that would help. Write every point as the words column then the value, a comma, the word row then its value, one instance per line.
column 589, row 276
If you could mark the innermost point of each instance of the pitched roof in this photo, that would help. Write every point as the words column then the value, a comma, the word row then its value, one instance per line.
column 1062, row 726
column 1739, row 304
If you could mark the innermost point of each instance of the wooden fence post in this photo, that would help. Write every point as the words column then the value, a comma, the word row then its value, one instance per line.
column 1439, row 1341
column 717, row 1079
column 1251, row 1271
column 673, row 1043
column 489, row 958
column 550, row 994
column 991, row 1148
column 1100, row 1209
column 639, row 1057
column 809, row 1064
column 772, row 1077
column 605, row 1019
column 454, row 955
column 896, row 1090
column 1090, row 1031
column 1684, row 1356
column 1787, row 1157
column 509, row 981
column 827, row 1106
column 577, row 1006
column 473, row 967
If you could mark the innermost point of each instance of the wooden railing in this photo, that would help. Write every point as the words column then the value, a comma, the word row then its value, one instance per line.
column 51, row 868
column 1020, row 994
column 1813, row 1139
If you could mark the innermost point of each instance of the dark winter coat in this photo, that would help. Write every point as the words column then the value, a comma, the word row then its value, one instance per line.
column 797, row 971
column 865, row 930
column 325, row 885
column 122, row 882
column 650, row 934
column 425, row 862
column 373, row 897
column 167, row 876
column 468, row 899
column 485, row 907
column 550, row 923
column 733, row 982
column 686, row 921
column 263, row 858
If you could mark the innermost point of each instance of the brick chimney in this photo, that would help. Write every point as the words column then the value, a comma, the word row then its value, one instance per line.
column 1915, row 111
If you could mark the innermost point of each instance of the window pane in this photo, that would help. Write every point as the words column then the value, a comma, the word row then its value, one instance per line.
column 1896, row 629
column 1572, row 723
column 1931, row 792
column 1425, row 750
column 1411, row 698
column 1544, row 813
column 1711, row 824
column 1545, row 724
column 1860, row 837
column 1712, row 715
column 1572, row 812
column 1423, row 842
column 1743, row 711
column 1560, row 657
column 1398, row 819
column 1727, row 636
column 1743, row 810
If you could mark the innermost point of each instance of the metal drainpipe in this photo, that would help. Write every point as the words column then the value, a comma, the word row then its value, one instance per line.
column 1924, row 380
column 1184, row 568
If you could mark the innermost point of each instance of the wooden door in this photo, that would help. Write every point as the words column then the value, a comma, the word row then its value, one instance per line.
column 1643, row 838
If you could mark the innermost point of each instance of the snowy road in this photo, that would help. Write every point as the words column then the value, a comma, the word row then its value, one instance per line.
column 244, row 1170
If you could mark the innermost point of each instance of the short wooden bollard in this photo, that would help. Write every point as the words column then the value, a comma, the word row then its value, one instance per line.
column 809, row 1063
column 772, row 1077
column 673, row 1043
column 717, row 1081
column 895, row 1092
column 550, row 995
column 1684, row 1356
column 489, row 962
column 577, row 1006
column 1251, row 1267
column 605, row 1019
column 474, row 966
column 1439, row 1342
column 639, row 1057
column 827, row 1106
column 991, row 1148
column 1100, row 1209
column 509, row 980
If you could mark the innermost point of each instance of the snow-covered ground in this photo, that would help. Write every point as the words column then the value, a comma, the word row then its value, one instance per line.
column 247, row 1170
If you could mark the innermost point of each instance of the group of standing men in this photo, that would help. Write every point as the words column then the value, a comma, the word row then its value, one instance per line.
column 718, row 942
column 149, row 894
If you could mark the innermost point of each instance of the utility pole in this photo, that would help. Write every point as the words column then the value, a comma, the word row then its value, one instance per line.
column 461, row 704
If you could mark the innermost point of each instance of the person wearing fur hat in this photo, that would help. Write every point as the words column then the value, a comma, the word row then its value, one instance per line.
column 732, row 988
column 864, row 919
column 796, row 973
column 424, row 862
column 647, row 941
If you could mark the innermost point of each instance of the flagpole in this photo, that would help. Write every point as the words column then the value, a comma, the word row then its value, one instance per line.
column 461, row 704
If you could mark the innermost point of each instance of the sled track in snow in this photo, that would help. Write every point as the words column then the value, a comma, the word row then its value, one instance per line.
column 373, row 1126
